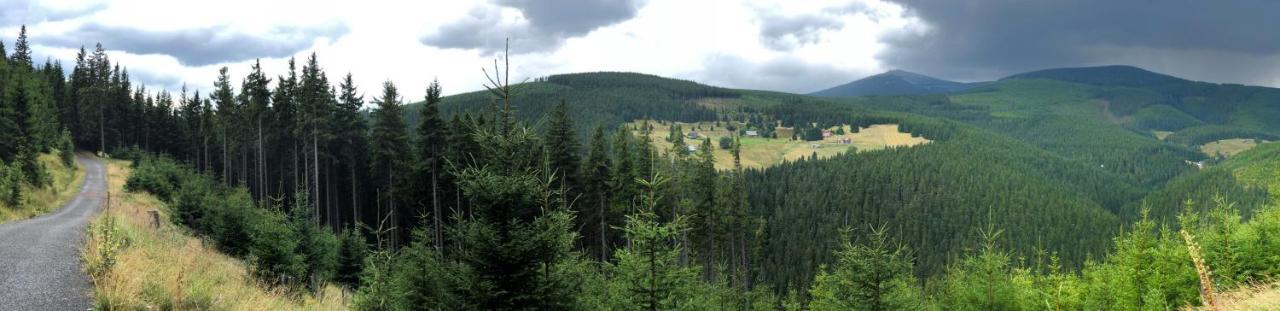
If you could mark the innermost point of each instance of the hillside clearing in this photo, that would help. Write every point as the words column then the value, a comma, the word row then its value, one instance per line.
column 1229, row 147
column 36, row 202
column 760, row 152
column 1161, row 134
column 137, row 266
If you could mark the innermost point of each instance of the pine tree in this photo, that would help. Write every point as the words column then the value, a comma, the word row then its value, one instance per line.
column 596, row 177
column 431, row 145
column 388, row 140
column 352, row 132
column 22, row 51
column 648, row 269
column 872, row 274
column 257, row 96
column 562, row 150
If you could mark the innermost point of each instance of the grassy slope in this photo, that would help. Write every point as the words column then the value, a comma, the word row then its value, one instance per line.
column 759, row 152
column 66, row 182
column 167, row 268
column 1228, row 147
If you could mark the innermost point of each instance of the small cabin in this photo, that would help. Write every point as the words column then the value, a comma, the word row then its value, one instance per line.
column 846, row 141
column 693, row 135
column 751, row 133
column 826, row 133
column 691, row 148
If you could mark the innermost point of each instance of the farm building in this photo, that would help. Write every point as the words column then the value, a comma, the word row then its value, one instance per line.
column 691, row 148
column 693, row 134
column 826, row 133
column 751, row 133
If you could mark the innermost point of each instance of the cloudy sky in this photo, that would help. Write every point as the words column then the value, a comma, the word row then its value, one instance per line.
column 784, row 45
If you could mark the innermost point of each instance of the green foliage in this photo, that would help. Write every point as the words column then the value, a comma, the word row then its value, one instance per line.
column 11, row 180
column 870, row 275
column 352, row 250
column 988, row 280
column 287, row 250
column 648, row 275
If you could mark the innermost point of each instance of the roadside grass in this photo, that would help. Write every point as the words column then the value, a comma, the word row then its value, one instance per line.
column 39, row 201
column 136, row 266
column 760, row 152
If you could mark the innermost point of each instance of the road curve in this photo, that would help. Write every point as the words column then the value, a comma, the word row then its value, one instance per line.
column 40, row 257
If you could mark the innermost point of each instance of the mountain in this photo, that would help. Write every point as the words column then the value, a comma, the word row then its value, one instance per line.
column 894, row 82
column 1115, row 75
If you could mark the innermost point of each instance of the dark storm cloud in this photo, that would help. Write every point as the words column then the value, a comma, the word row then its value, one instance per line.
column 972, row 39
column 20, row 12
column 550, row 22
column 198, row 47
column 784, row 73
column 783, row 33
column 788, row 32
column 155, row 80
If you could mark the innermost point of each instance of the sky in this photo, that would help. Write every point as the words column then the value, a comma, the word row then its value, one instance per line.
column 783, row 45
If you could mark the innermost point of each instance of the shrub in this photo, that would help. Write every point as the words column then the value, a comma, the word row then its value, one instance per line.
column 351, row 255
column 726, row 143
column 11, row 178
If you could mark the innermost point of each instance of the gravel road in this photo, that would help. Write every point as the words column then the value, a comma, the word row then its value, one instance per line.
column 40, row 257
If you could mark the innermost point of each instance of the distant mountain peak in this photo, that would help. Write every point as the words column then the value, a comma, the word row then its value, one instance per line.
column 894, row 82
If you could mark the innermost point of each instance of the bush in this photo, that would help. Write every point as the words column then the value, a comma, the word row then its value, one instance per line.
column 351, row 256
column 726, row 143
column 11, row 179
column 317, row 246
column 285, row 250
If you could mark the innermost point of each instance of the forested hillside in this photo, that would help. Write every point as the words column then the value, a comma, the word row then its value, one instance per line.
column 1042, row 187
column 30, row 125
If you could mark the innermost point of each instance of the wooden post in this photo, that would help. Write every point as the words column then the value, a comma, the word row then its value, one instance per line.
column 155, row 218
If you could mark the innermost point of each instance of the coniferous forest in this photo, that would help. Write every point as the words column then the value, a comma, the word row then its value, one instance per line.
column 545, row 195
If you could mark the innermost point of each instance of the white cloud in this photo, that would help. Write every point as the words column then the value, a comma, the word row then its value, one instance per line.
column 717, row 42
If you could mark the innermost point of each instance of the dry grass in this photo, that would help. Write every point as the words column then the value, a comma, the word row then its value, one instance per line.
column 1161, row 135
column 1264, row 296
column 1228, row 147
column 166, row 268
column 66, row 183
column 763, row 152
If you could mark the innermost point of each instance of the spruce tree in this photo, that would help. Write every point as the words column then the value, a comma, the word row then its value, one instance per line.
column 562, row 150
column 352, row 135
column 22, row 51
column 648, row 269
column 432, row 141
column 872, row 274
column 596, row 177
column 388, row 140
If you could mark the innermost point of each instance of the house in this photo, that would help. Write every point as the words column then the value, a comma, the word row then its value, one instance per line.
column 691, row 148
column 693, row 134
column 846, row 141
column 826, row 133
column 751, row 133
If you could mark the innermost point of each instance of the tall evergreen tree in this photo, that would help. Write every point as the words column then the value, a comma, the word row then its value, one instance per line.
column 388, row 140
column 352, row 133
column 872, row 274
column 22, row 50
column 596, row 178
column 562, row 151
column 431, row 145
